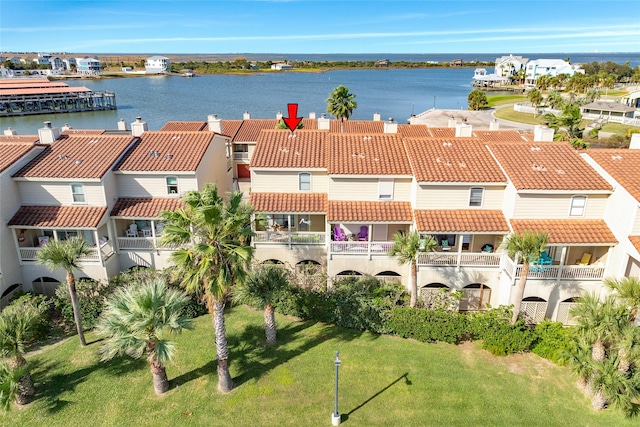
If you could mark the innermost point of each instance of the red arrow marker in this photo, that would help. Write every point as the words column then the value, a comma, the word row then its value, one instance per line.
column 292, row 121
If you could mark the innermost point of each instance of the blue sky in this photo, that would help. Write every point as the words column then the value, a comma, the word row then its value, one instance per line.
column 318, row 26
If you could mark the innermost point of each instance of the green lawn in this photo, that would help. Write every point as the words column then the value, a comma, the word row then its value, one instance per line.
column 508, row 113
column 384, row 381
column 495, row 100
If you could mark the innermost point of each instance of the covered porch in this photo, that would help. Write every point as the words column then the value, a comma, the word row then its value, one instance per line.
column 465, row 238
column 138, row 224
column 366, row 229
column 35, row 226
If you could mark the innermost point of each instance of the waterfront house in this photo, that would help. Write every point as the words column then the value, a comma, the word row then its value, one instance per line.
column 157, row 65
column 281, row 67
column 510, row 66
column 88, row 66
column 549, row 67
column 608, row 111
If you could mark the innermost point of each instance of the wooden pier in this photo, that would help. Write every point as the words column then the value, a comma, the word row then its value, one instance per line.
column 25, row 96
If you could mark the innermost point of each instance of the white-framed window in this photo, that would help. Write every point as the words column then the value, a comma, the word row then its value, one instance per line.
column 77, row 192
column 172, row 185
column 475, row 196
column 578, row 204
column 385, row 189
column 304, row 181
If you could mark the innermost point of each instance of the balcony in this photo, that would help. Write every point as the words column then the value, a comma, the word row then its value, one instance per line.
column 29, row 254
column 359, row 249
column 555, row 272
column 462, row 259
column 240, row 155
column 289, row 238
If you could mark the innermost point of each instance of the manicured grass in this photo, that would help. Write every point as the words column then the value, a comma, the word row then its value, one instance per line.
column 384, row 381
column 619, row 129
column 508, row 113
column 495, row 100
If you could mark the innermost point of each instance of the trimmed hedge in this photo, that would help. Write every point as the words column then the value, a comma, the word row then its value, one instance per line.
column 429, row 326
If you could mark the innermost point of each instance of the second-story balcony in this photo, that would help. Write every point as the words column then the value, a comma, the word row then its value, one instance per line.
column 460, row 259
column 290, row 237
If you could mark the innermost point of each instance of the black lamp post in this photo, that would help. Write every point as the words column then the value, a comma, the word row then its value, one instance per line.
column 335, row 417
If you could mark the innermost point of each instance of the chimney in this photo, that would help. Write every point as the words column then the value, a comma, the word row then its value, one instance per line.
column 215, row 124
column 138, row 127
column 9, row 132
column 48, row 134
column 66, row 127
column 494, row 125
column 543, row 133
column 633, row 145
column 463, row 130
column 122, row 125
column 452, row 122
column 279, row 115
column 246, row 116
column 323, row 123
column 390, row 126
column 376, row 117
column 312, row 115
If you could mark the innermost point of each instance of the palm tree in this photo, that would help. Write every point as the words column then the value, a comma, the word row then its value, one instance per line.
column 628, row 290
column 17, row 325
column 535, row 97
column 554, row 99
column 213, row 236
column 526, row 246
column 260, row 290
column 135, row 320
column 9, row 384
column 406, row 246
column 66, row 254
column 341, row 104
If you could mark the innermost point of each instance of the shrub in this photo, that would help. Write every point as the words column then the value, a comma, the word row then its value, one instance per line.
column 481, row 321
column 506, row 338
column 428, row 326
column 91, row 295
column 43, row 325
column 551, row 341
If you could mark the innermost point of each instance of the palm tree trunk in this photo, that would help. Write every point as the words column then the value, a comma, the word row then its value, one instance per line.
column 598, row 352
column 77, row 317
column 517, row 303
column 598, row 401
column 270, row 324
column 413, row 284
column 26, row 389
column 225, row 383
column 158, row 371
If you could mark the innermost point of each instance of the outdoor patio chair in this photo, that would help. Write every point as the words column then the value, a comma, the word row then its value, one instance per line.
column 445, row 245
column 586, row 258
column 338, row 234
column 363, row 235
column 132, row 231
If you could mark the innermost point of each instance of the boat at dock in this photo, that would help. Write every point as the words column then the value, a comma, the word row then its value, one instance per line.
column 27, row 96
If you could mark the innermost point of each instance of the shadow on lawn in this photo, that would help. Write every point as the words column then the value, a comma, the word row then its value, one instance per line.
column 253, row 358
column 406, row 381
column 58, row 382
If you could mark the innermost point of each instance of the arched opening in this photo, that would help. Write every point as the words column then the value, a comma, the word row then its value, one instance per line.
column 564, row 311
column 533, row 309
column 475, row 297
column 429, row 294
column 389, row 276
column 10, row 289
column 349, row 273
column 273, row 261
column 136, row 267
column 45, row 286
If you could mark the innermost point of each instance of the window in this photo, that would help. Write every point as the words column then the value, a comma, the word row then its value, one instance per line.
column 385, row 189
column 77, row 192
column 475, row 196
column 172, row 185
column 304, row 182
column 577, row 205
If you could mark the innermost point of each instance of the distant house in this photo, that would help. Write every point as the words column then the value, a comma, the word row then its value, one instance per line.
column 281, row 66
column 56, row 63
column 70, row 63
column 482, row 79
column 610, row 111
column 156, row 65
column 88, row 66
column 383, row 63
column 509, row 66
column 549, row 67
column 457, row 63
column 15, row 60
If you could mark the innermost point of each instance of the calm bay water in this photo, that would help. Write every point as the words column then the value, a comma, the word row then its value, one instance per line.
column 396, row 93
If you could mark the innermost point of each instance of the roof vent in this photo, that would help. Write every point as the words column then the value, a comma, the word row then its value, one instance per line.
column 154, row 153
column 560, row 171
column 61, row 157
column 535, row 149
column 93, row 141
column 462, row 164
column 176, row 137
column 78, row 161
column 540, row 168
column 616, row 157
column 446, row 144
column 168, row 156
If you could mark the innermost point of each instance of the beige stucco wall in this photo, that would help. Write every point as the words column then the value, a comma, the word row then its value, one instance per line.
column 457, row 197
column 145, row 185
column 275, row 181
column 557, row 206
column 366, row 189
column 52, row 193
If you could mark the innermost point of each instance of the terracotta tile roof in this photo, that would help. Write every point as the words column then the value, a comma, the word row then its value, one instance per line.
column 360, row 154
column 175, row 126
column 283, row 149
column 623, row 165
column 138, row 207
column 340, row 211
column 83, row 132
column 635, row 241
column 58, row 216
column 231, row 127
column 452, row 160
column 498, row 135
column 547, row 166
column 568, row 231
column 33, row 139
column 250, row 129
column 416, row 131
column 356, row 126
column 11, row 152
column 78, row 157
column 442, row 132
column 462, row 220
column 167, row 151
column 289, row 202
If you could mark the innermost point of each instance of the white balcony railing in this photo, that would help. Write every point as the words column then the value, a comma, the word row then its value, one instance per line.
column 240, row 155
column 31, row 254
column 142, row 244
column 359, row 248
column 292, row 238
column 464, row 259
column 566, row 272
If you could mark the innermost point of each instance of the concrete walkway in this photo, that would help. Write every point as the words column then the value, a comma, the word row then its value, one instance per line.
column 477, row 119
